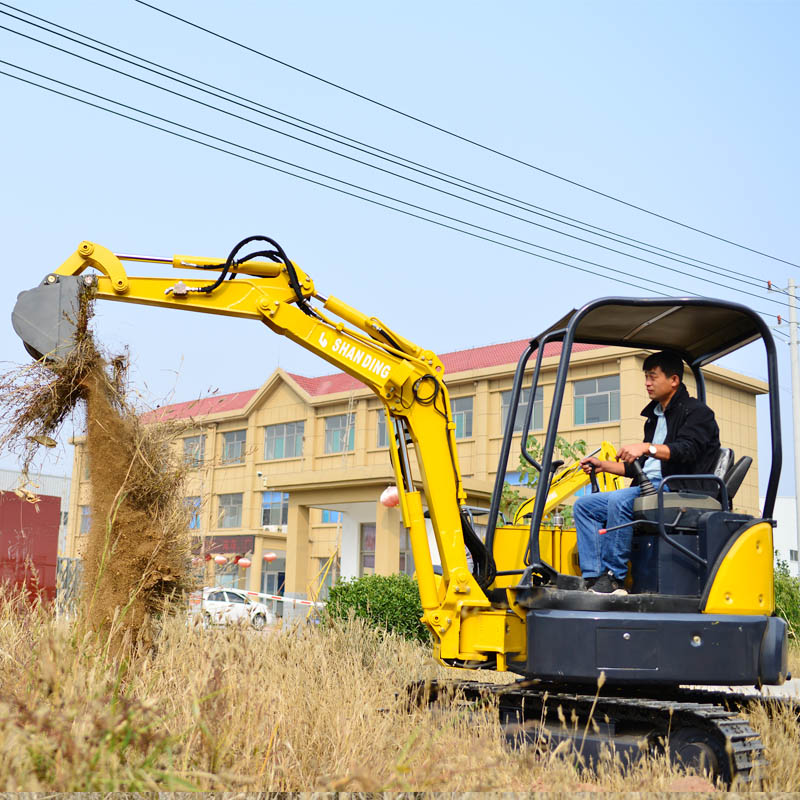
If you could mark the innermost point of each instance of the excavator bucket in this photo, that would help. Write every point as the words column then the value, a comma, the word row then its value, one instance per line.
column 45, row 318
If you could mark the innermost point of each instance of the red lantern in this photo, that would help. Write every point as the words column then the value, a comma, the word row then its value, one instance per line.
column 270, row 556
column 220, row 559
column 390, row 497
column 244, row 562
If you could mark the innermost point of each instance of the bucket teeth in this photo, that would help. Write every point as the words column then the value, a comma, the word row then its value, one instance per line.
column 46, row 318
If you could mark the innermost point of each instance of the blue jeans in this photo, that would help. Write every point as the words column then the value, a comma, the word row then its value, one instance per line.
column 611, row 551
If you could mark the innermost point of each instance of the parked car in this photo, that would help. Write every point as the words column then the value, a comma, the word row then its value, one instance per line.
column 225, row 606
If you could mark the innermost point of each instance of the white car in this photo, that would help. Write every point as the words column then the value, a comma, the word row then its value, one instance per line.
column 225, row 606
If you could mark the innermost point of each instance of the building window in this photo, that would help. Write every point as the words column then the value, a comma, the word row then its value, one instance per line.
column 537, row 416
column 596, row 400
column 367, row 550
column 329, row 516
column 194, row 450
column 340, row 433
column 793, row 555
column 193, row 505
column 383, row 439
column 230, row 511
column 64, row 518
column 283, row 441
column 406, row 556
column 86, row 519
column 233, row 447
column 274, row 508
column 462, row 416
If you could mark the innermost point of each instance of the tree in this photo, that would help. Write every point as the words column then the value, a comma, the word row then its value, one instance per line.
column 511, row 498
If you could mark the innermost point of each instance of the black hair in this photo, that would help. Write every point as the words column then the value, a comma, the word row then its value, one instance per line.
column 670, row 363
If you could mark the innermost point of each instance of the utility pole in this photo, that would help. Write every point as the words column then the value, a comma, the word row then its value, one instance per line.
column 795, row 409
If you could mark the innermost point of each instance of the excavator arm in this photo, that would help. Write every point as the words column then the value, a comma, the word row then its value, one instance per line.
column 569, row 480
column 407, row 378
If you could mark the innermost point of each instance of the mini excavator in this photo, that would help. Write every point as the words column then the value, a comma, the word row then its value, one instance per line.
column 702, row 607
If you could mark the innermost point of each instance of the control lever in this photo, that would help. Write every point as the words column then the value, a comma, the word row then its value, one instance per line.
column 593, row 479
column 646, row 487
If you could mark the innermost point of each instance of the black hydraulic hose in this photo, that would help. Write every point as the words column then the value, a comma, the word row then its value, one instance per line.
column 277, row 255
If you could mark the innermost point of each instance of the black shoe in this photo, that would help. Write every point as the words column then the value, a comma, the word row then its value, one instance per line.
column 588, row 583
column 608, row 584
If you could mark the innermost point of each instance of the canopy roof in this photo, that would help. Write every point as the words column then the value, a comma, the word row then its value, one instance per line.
column 698, row 328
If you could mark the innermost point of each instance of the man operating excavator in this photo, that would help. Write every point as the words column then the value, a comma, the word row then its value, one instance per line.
column 681, row 437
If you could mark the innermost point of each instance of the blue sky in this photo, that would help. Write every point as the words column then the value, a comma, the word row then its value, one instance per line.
column 688, row 109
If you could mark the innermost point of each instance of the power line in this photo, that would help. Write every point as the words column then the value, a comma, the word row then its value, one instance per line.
column 372, row 150
column 458, row 136
column 383, row 170
column 312, row 180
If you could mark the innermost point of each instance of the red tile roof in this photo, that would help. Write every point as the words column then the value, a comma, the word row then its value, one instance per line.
column 201, row 407
column 492, row 355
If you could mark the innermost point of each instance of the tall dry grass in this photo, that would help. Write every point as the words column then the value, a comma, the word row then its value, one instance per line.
column 234, row 710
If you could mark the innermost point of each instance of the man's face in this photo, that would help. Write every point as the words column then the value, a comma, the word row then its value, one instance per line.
column 659, row 386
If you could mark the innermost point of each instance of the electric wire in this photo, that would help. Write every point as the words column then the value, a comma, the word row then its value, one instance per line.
column 462, row 138
column 178, row 135
column 346, row 183
column 359, row 146
column 338, row 180
column 389, row 172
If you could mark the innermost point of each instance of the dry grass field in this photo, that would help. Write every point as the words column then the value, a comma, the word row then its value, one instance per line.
column 313, row 709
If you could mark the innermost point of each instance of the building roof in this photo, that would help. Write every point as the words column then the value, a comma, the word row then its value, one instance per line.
column 493, row 355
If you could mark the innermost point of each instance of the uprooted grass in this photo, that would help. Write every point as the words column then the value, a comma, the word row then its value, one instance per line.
column 234, row 710
column 137, row 550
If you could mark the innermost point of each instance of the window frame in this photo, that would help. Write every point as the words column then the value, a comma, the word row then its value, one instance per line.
column 221, row 507
column 382, row 428
column 194, row 459
column 579, row 401
column 226, row 444
column 193, row 503
column 331, row 432
column 297, row 436
column 463, row 416
column 537, row 417
column 278, row 501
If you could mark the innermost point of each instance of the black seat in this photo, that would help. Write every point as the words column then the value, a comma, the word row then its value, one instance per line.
column 731, row 473
column 735, row 475
column 723, row 463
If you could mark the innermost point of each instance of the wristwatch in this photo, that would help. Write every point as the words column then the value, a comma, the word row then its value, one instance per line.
column 652, row 449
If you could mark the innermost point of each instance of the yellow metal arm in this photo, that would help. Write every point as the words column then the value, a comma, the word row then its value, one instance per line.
column 568, row 481
column 407, row 378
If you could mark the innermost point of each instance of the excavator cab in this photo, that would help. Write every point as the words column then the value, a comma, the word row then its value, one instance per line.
column 701, row 609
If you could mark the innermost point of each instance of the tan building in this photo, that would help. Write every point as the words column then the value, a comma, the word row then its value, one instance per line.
column 289, row 474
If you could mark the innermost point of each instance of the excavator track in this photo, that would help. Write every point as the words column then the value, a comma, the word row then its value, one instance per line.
column 704, row 729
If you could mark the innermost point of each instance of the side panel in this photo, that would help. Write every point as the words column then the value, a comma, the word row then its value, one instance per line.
column 577, row 646
column 742, row 581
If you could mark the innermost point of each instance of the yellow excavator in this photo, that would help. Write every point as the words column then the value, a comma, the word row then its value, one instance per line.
column 702, row 607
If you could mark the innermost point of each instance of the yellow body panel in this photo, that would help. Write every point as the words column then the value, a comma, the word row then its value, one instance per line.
column 744, row 582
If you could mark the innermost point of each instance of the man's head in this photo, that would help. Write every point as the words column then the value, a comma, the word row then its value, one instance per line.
column 663, row 373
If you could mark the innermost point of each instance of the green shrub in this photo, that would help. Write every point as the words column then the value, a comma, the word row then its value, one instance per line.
column 787, row 597
column 387, row 602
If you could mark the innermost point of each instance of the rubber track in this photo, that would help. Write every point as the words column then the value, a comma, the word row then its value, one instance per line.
column 730, row 732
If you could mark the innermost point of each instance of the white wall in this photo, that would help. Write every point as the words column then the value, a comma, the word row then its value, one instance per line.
column 785, row 535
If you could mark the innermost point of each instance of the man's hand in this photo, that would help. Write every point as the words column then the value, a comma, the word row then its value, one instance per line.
column 630, row 452
column 589, row 462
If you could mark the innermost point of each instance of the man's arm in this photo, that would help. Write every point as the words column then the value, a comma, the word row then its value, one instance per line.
column 614, row 467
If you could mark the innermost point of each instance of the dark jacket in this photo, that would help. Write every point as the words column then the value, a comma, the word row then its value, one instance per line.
column 692, row 436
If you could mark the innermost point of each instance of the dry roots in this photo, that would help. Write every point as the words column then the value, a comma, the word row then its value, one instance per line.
column 137, row 550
